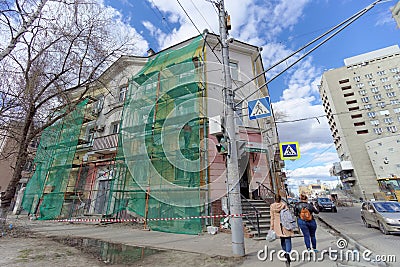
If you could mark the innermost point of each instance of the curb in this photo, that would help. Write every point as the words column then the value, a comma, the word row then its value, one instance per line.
column 356, row 244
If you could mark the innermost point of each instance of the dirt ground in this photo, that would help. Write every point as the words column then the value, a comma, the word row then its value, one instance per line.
column 19, row 247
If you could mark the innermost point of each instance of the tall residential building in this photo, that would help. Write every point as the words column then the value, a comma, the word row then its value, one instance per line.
column 362, row 104
column 396, row 13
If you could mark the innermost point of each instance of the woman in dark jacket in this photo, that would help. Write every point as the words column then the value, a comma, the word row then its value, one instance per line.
column 308, row 226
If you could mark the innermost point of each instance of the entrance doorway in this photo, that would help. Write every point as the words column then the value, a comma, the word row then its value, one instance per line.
column 244, row 184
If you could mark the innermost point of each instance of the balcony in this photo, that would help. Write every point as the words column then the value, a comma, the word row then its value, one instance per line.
column 107, row 143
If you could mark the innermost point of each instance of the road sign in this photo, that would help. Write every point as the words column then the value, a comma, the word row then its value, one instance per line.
column 259, row 108
column 289, row 150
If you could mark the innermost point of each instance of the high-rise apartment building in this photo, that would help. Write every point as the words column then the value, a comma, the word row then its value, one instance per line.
column 362, row 103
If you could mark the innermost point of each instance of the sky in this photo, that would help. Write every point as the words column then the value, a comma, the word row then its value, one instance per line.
column 280, row 27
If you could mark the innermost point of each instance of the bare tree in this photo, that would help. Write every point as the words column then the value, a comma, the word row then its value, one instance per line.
column 59, row 47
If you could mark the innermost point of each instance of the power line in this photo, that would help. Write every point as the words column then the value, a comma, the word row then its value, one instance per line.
column 202, row 16
column 159, row 15
column 340, row 27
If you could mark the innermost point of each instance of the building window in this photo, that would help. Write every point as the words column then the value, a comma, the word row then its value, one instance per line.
column 394, row 101
column 368, row 106
column 371, row 114
column 381, row 104
column 114, row 127
column 394, row 70
column 355, row 116
column 384, row 112
column 378, row 130
column 362, row 123
column 375, row 122
column 365, row 99
column 356, row 79
column 362, row 132
column 362, row 92
column 374, row 90
column 371, row 83
column 396, row 77
column 349, row 94
column 391, row 94
column 360, row 85
column 396, row 110
column 378, row 97
column 344, row 81
column 387, row 87
column 368, row 76
column 388, row 120
column 234, row 68
column 381, row 72
column 391, row 129
column 384, row 79
column 354, row 108
column 346, row 87
column 122, row 94
column 351, row 102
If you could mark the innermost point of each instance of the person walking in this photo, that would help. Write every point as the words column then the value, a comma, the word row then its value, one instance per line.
column 284, row 234
column 306, row 221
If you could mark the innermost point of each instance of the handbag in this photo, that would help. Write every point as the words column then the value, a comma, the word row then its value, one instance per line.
column 271, row 236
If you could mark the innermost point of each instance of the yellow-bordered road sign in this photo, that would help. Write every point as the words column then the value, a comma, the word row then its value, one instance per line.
column 289, row 150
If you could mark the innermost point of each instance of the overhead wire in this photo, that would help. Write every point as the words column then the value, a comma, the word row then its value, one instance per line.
column 341, row 26
column 159, row 15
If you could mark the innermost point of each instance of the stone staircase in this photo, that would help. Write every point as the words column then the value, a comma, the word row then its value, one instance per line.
column 250, row 221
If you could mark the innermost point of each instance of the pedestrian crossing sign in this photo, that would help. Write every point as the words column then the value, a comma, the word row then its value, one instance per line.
column 259, row 108
column 289, row 150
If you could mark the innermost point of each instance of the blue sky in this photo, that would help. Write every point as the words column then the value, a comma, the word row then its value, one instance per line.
column 280, row 27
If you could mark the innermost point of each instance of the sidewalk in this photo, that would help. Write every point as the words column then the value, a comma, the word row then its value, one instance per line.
column 211, row 245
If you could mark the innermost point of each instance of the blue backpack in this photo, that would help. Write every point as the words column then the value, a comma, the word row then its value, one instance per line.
column 288, row 221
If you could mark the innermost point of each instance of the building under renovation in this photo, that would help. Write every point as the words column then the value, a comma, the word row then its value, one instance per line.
column 144, row 141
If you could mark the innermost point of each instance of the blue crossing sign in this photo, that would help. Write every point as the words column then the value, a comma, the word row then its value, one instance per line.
column 289, row 150
column 259, row 108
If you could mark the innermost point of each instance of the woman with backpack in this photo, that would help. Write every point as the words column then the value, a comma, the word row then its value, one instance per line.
column 284, row 234
column 304, row 212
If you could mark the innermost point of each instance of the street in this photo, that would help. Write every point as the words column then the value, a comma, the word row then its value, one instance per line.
column 347, row 220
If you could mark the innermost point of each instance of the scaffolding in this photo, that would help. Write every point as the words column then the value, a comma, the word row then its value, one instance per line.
column 44, row 194
column 159, row 145
column 158, row 170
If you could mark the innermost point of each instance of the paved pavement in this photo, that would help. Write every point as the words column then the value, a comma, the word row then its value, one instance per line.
column 348, row 222
column 212, row 245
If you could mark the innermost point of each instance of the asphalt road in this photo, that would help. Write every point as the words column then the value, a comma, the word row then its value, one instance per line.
column 348, row 221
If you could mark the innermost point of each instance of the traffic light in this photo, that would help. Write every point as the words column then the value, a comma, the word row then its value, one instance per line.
column 221, row 145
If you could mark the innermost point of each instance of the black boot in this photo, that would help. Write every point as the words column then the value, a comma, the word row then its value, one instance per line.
column 287, row 255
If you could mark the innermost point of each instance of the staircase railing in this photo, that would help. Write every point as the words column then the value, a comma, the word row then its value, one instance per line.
column 256, row 224
column 268, row 194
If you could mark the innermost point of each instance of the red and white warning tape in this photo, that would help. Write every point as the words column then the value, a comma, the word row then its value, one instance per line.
column 150, row 219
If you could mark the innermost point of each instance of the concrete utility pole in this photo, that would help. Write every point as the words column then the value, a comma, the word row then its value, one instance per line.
column 235, row 205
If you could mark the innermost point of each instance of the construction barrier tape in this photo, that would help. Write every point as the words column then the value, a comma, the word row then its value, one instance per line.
column 150, row 219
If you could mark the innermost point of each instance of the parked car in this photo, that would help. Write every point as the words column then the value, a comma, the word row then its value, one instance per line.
column 382, row 214
column 325, row 204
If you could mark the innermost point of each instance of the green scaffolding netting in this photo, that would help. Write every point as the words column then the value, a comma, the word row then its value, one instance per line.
column 159, row 144
column 45, row 190
column 157, row 172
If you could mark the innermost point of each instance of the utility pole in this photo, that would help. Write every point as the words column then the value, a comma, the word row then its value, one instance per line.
column 235, row 205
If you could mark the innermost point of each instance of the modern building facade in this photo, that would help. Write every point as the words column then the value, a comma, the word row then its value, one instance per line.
column 141, row 144
column 361, row 100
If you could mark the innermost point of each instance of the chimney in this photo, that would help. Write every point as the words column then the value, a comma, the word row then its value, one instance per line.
column 150, row 52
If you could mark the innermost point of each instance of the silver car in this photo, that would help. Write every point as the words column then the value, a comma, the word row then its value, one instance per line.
column 382, row 214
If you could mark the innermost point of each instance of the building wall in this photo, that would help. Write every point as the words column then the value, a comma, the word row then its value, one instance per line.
column 362, row 102
column 7, row 146
column 385, row 156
